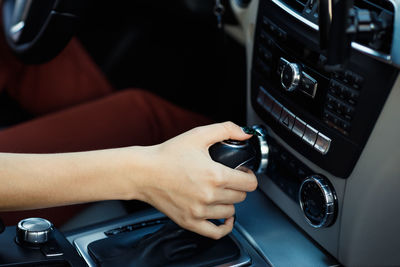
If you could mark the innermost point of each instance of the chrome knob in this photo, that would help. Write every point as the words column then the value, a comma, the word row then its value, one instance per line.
column 318, row 201
column 34, row 231
column 264, row 148
column 290, row 76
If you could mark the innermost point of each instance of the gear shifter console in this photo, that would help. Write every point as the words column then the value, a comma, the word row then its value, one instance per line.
column 171, row 245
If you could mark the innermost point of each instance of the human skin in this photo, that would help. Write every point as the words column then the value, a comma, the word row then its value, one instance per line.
column 177, row 177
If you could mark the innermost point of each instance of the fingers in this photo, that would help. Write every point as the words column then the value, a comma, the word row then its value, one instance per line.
column 221, row 131
column 239, row 180
column 219, row 212
column 229, row 196
column 208, row 229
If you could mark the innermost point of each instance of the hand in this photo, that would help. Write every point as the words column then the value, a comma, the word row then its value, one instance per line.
column 189, row 187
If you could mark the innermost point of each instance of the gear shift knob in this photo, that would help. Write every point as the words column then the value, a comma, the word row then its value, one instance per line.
column 251, row 153
column 235, row 154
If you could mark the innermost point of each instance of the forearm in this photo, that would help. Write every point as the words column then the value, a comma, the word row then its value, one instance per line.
column 29, row 181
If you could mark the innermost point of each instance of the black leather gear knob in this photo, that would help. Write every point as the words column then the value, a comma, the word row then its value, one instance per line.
column 236, row 154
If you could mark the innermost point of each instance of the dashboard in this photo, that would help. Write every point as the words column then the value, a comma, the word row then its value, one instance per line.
column 326, row 155
column 334, row 165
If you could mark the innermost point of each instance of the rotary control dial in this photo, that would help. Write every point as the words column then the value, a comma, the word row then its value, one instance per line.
column 290, row 75
column 34, row 231
column 318, row 201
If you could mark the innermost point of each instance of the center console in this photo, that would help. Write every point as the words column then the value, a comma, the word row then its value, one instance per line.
column 321, row 120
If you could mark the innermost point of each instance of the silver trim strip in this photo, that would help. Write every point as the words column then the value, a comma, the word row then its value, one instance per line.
column 295, row 14
column 393, row 58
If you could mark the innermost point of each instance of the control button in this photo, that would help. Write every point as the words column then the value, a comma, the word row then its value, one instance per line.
column 309, row 85
column 287, row 118
column 34, row 231
column 269, row 26
column 52, row 250
column 263, row 68
column 267, row 55
column 266, row 40
column 318, row 201
column 299, row 127
column 261, row 97
column 345, row 126
column 322, row 144
column 290, row 76
column 282, row 35
column 352, row 98
column 343, row 90
column 310, row 135
column 265, row 21
column 268, row 103
column 334, row 87
column 276, row 110
column 338, row 75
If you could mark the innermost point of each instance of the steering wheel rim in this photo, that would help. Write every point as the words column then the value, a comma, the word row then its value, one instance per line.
column 37, row 31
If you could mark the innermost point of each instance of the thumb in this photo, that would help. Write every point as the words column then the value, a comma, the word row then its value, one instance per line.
column 222, row 131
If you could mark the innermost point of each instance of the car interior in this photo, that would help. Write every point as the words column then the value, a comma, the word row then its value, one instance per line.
column 317, row 82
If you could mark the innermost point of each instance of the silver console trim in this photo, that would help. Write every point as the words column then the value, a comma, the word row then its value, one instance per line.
column 393, row 58
column 295, row 14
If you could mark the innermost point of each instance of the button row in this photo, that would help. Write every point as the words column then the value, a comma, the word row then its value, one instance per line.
column 337, row 123
column 343, row 92
column 293, row 123
column 350, row 78
column 264, row 57
column 340, row 106
column 274, row 29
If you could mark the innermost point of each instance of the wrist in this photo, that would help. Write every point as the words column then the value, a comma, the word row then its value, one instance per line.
column 135, row 172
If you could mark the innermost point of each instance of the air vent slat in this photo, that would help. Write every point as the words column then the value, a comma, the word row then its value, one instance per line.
column 384, row 10
column 381, row 42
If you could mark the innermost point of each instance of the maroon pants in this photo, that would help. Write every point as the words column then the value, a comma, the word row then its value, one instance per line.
column 81, row 113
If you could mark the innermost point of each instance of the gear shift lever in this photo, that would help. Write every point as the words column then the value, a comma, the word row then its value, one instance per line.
column 174, row 246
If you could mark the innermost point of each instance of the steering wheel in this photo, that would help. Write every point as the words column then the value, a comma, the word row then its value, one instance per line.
column 38, row 30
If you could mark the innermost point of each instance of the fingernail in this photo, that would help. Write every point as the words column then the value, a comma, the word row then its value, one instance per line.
column 249, row 130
